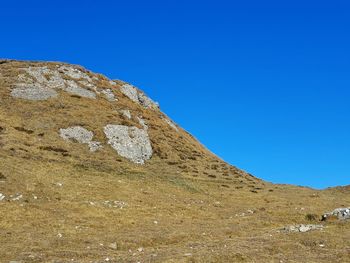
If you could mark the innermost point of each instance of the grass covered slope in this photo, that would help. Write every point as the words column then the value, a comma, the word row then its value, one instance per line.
column 64, row 203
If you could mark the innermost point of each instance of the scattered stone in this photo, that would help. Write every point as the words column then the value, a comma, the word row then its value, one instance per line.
column 301, row 228
column 137, row 96
column 140, row 249
column 113, row 245
column 108, row 204
column 115, row 204
column 243, row 214
column 340, row 213
column 2, row 197
column 142, row 123
column 109, row 94
column 17, row 197
column 80, row 135
column 94, row 146
column 171, row 124
column 129, row 142
column 126, row 113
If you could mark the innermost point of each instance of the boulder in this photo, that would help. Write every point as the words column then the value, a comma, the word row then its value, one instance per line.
column 81, row 135
column 137, row 96
column 340, row 213
column 129, row 142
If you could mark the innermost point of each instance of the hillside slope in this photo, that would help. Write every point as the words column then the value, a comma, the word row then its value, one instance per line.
column 92, row 171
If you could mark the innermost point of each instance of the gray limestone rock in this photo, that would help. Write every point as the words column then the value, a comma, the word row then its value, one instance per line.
column 129, row 142
column 42, row 83
column 301, row 228
column 72, row 87
column 109, row 94
column 131, row 92
column 126, row 113
column 80, row 135
column 340, row 213
column 32, row 92
column 137, row 96
column 74, row 73
column 142, row 123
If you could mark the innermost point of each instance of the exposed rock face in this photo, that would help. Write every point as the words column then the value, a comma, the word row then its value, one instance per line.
column 109, row 94
column 130, row 142
column 32, row 92
column 301, row 228
column 137, row 96
column 73, row 87
column 74, row 73
column 340, row 213
column 42, row 83
column 80, row 135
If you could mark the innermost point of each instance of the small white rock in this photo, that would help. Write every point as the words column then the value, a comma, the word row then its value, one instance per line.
column 113, row 245
column 18, row 197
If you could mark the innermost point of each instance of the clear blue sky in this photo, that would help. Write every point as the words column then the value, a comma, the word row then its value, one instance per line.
column 263, row 84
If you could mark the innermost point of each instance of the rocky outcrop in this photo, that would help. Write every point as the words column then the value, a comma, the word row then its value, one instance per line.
column 339, row 213
column 301, row 228
column 109, row 94
column 137, row 96
column 130, row 142
column 42, row 83
column 47, row 81
column 33, row 92
column 81, row 135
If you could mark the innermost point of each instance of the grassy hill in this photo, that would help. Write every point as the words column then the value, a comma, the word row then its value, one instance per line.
column 65, row 203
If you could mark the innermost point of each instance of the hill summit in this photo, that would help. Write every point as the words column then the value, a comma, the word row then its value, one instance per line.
column 66, row 110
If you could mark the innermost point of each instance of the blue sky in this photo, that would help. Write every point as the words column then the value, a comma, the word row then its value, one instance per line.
column 263, row 84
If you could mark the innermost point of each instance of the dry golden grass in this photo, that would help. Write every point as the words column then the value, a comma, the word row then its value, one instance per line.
column 184, row 205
